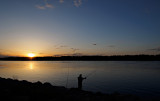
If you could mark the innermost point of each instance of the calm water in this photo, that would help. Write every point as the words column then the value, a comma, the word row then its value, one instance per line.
column 141, row 78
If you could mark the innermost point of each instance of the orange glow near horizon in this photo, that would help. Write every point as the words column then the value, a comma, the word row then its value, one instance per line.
column 31, row 55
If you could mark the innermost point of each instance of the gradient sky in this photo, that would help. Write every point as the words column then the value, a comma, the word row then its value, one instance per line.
column 79, row 27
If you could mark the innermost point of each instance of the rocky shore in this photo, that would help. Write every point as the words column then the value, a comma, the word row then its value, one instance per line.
column 16, row 90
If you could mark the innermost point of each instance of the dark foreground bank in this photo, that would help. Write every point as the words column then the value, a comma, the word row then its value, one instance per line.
column 15, row 90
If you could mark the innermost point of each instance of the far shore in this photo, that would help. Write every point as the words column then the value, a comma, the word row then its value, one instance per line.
column 86, row 58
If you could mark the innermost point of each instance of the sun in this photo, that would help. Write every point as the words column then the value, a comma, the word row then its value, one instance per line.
column 31, row 55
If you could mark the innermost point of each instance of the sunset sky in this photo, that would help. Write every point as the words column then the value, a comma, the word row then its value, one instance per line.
column 79, row 27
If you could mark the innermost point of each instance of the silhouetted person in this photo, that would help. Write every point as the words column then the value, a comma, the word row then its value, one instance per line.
column 80, row 79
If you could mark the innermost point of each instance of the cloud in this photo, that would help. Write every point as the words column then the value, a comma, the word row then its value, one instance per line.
column 94, row 44
column 59, row 47
column 77, row 54
column 111, row 46
column 40, row 7
column 63, row 46
column 45, row 5
column 77, row 3
column 155, row 49
column 61, row 1
column 3, row 55
column 74, row 49
column 41, row 53
column 74, row 54
column 49, row 6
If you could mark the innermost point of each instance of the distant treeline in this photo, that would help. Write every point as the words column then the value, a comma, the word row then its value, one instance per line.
column 88, row 58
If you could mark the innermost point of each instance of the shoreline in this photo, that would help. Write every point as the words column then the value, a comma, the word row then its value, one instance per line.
column 87, row 58
column 22, row 90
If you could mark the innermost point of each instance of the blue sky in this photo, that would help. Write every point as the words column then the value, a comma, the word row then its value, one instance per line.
column 79, row 27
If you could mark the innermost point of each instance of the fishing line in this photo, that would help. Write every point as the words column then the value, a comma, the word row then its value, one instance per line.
column 91, row 73
column 67, row 76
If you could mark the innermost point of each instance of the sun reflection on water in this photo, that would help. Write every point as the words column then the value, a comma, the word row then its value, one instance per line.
column 31, row 66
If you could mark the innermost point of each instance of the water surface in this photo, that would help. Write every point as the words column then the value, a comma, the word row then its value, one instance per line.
column 141, row 78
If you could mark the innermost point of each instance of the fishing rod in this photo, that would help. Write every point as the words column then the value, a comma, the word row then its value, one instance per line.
column 67, row 77
column 91, row 73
